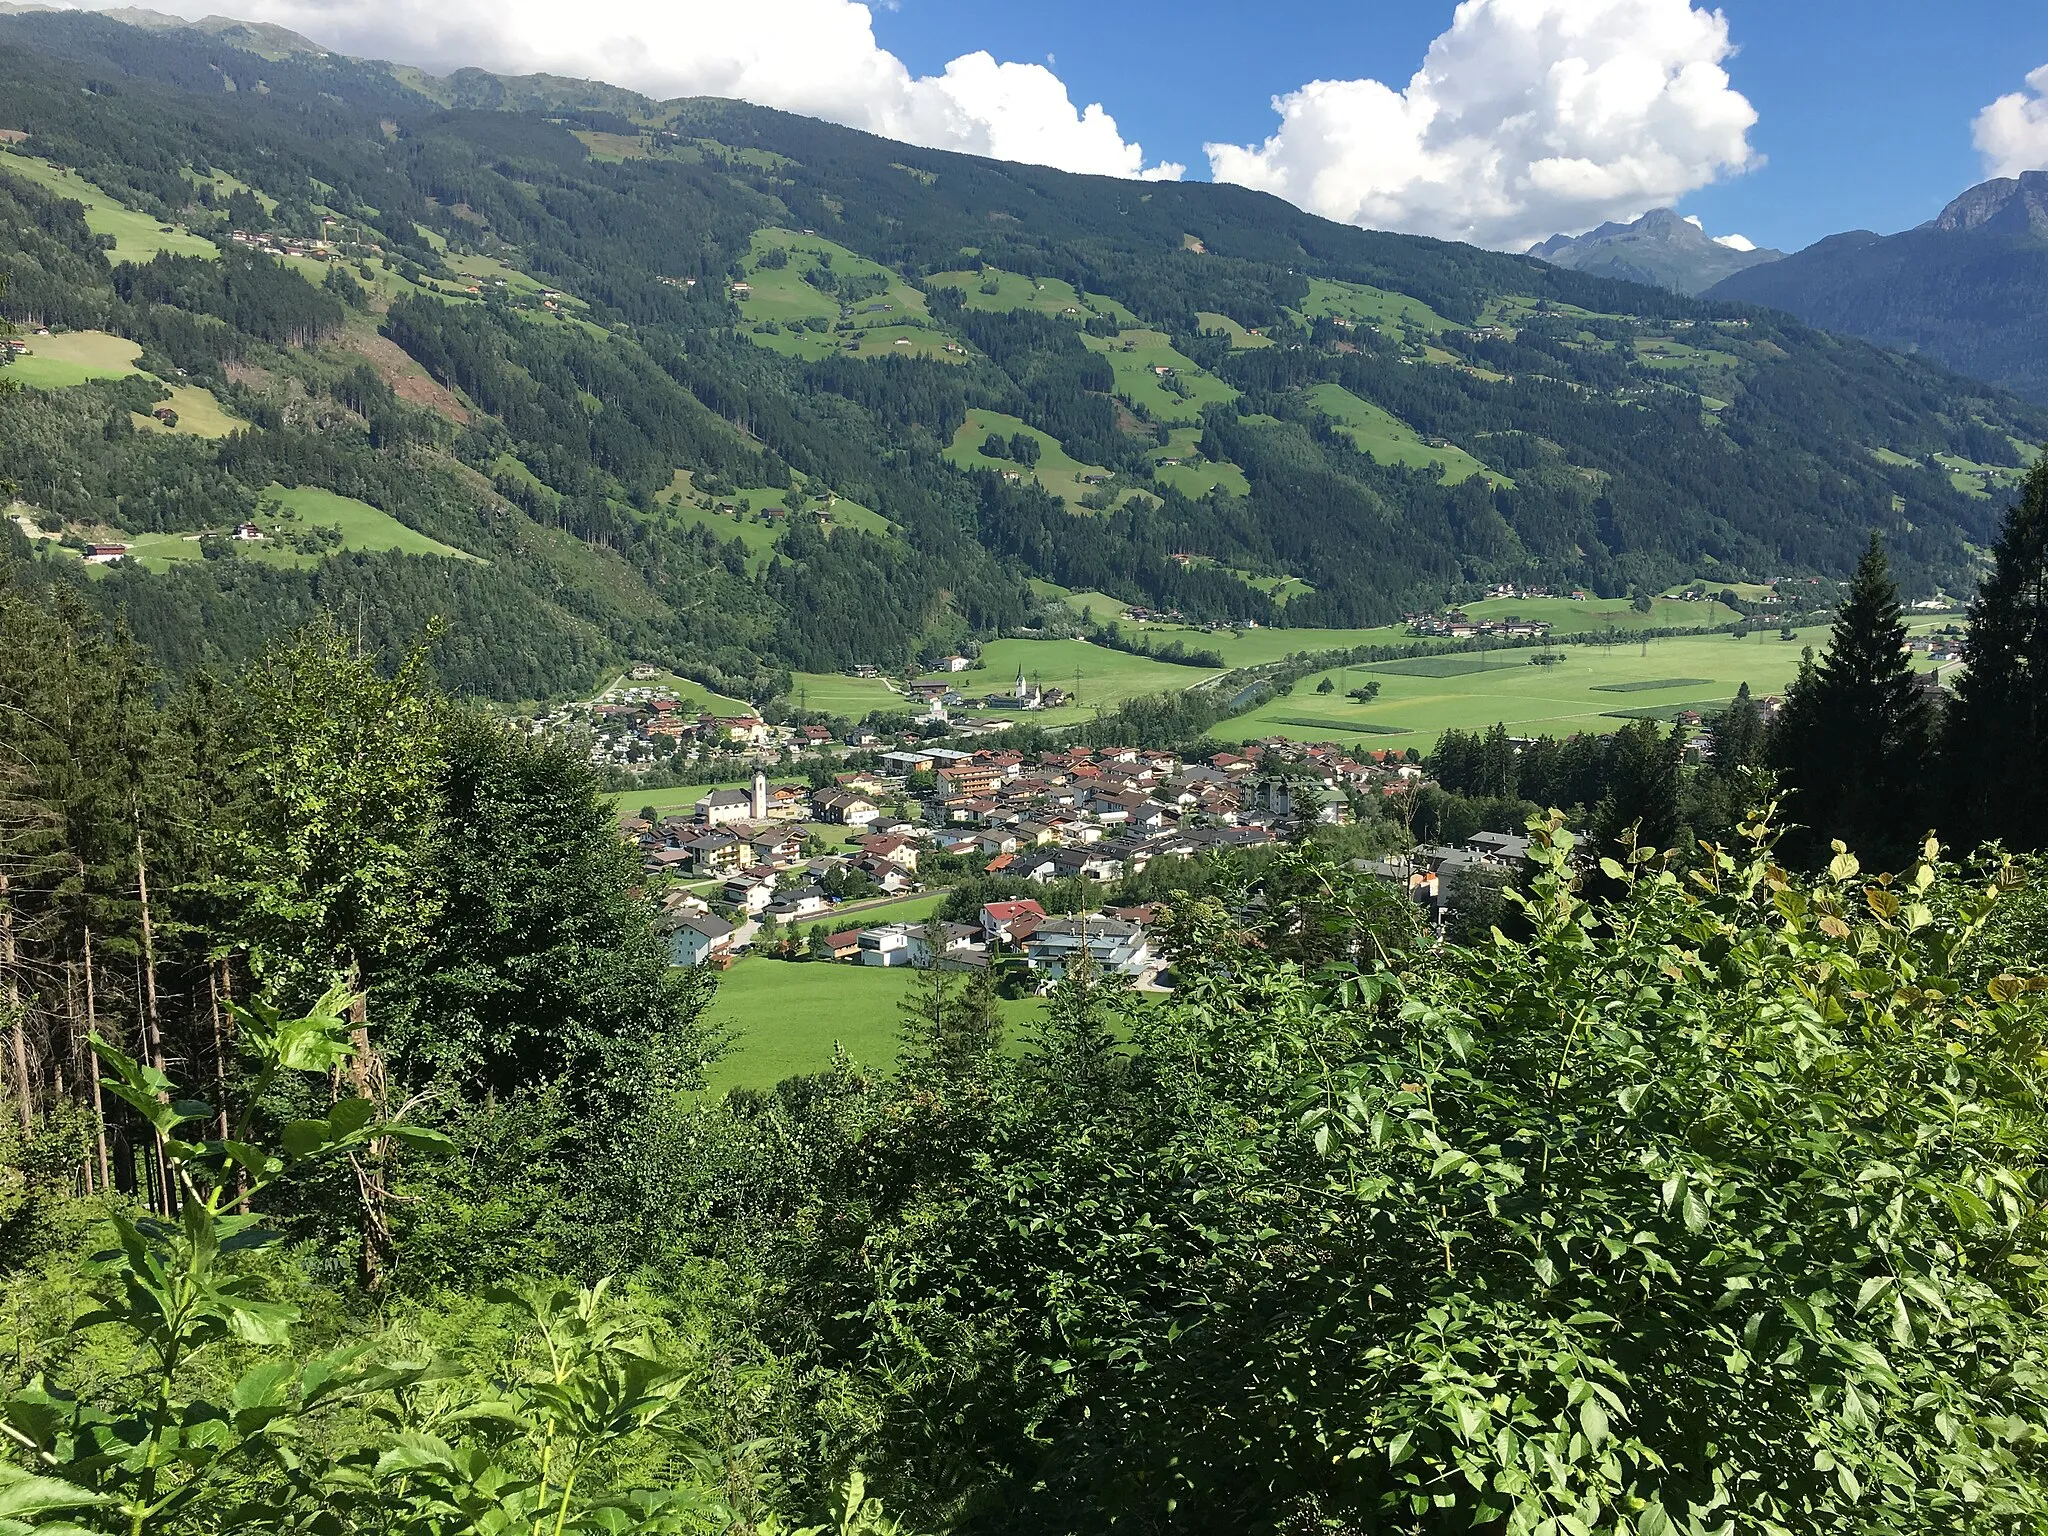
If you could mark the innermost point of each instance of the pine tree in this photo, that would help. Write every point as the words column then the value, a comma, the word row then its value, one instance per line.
column 1642, row 790
column 1996, row 731
column 1853, row 740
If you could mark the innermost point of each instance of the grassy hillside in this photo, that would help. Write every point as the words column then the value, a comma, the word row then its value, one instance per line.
column 642, row 313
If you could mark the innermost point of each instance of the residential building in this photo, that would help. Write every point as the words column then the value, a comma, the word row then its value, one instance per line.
column 697, row 937
column 1114, row 945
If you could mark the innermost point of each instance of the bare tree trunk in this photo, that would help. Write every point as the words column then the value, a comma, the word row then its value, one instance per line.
column 92, row 1071
column 366, row 1071
column 152, row 1032
column 11, row 1000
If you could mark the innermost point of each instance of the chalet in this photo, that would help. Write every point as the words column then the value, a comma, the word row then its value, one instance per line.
column 696, row 938
column 846, row 807
column 716, row 853
column 801, row 902
column 752, row 894
column 843, row 946
column 999, row 917
column 102, row 554
column 900, row 851
column 890, row 877
column 776, row 845
column 247, row 531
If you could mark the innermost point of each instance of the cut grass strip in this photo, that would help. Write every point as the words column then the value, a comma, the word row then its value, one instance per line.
column 1331, row 723
column 1650, row 685
column 1668, row 712
column 1460, row 665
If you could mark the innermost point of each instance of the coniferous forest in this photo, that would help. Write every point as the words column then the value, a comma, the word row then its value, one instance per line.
column 567, row 331
column 359, row 1171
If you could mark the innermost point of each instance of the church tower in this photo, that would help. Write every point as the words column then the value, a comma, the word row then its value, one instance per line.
column 760, row 801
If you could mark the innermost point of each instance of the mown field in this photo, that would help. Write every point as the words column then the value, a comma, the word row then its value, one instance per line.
column 1391, row 440
column 136, row 236
column 362, row 527
column 1061, row 475
column 1105, row 678
column 1594, row 688
column 786, row 1017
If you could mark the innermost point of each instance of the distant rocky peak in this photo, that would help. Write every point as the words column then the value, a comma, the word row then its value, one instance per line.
column 2013, row 205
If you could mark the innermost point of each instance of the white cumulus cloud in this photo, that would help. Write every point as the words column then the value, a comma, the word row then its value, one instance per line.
column 1735, row 242
column 817, row 57
column 1528, row 117
column 2012, row 133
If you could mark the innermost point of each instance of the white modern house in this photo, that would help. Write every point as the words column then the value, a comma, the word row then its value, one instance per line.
column 1114, row 945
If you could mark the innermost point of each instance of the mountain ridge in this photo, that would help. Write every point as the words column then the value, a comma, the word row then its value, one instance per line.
column 661, row 322
column 1661, row 249
column 1969, row 288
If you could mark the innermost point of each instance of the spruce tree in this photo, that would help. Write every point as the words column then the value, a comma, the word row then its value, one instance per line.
column 1853, row 739
column 1996, row 734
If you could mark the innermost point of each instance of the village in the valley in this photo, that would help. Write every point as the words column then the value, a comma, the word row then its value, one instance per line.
column 876, row 822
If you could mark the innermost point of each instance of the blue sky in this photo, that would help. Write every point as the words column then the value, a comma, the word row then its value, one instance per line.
column 1864, row 109
column 1778, row 120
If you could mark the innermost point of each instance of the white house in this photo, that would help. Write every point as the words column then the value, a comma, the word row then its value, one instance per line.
column 885, row 946
column 695, row 937
column 1113, row 944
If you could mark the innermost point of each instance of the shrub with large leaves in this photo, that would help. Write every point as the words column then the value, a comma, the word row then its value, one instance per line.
column 1715, row 1208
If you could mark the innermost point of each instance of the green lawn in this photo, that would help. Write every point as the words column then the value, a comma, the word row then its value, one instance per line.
column 1239, row 336
column 1046, row 295
column 833, row 693
column 74, row 357
column 1059, row 474
column 1107, row 677
column 1592, row 689
column 1395, row 313
column 199, row 414
column 788, row 1015
column 137, row 236
column 1136, row 355
column 1391, row 440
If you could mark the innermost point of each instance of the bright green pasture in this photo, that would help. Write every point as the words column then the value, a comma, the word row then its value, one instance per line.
column 1239, row 336
column 74, row 357
column 667, row 802
column 787, row 1016
column 782, row 295
column 362, row 525
column 137, row 236
column 1061, row 475
column 1391, row 440
column 1199, row 478
column 1045, row 295
column 1395, row 313
column 1107, row 677
column 1136, row 355
column 199, row 414
column 1583, row 692
column 833, row 693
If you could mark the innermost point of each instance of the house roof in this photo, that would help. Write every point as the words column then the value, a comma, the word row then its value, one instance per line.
column 1009, row 911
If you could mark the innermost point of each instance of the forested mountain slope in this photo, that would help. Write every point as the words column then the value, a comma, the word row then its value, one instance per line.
column 1969, row 288
column 738, row 391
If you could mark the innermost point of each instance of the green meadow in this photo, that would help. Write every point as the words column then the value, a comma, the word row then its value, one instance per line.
column 73, row 357
column 1106, row 677
column 786, row 1017
column 1135, row 358
column 363, row 527
column 1395, row 313
column 1045, row 295
column 136, row 236
column 1391, row 440
column 1591, row 688
column 834, row 693
column 1059, row 474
